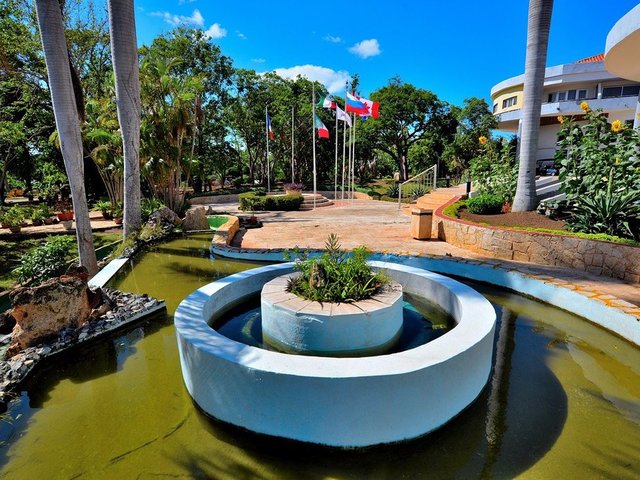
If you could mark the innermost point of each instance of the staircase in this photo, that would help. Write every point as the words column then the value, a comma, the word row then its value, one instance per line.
column 308, row 201
column 436, row 198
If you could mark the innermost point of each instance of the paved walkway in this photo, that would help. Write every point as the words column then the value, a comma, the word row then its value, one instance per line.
column 97, row 224
column 382, row 227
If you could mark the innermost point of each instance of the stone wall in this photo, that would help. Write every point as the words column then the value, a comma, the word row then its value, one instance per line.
column 593, row 256
column 224, row 233
column 231, row 198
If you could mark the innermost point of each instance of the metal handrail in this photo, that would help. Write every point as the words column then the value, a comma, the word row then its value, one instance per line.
column 422, row 183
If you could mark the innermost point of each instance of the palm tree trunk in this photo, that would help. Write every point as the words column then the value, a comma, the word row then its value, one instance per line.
column 67, row 121
column 534, row 71
column 124, row 53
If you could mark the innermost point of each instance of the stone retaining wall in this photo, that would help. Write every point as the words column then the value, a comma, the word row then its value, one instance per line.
column 204, row 200
column 225, row 232
column 593, row 256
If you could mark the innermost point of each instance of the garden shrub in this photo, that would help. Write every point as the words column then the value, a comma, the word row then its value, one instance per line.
column 335, row 276
column 485, row 204
column 600, row 174
column 44, row 261
column 496, row 170
column 251, row 201
column 148, row 206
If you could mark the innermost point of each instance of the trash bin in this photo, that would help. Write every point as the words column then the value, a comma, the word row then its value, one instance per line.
column 421, row 219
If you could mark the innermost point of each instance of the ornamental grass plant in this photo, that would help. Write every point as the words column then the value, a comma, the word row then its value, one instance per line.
column 336, row 276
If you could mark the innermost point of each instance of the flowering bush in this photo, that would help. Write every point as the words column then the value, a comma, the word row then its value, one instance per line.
column 600, row 160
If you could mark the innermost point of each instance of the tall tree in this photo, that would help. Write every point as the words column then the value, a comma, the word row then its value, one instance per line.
column 124, row 54
column 67, row 118
column 408, row 115
column 534, row 71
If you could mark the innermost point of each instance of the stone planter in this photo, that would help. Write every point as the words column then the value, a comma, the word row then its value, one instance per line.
column 67, row 224
column 15, row 229
column 367, row 327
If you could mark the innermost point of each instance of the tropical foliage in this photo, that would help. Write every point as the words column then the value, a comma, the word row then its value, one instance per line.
column 336, row 276
column 495, row 169
column 600, row 173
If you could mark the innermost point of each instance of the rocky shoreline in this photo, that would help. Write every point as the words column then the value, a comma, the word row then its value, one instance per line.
column 128, row 309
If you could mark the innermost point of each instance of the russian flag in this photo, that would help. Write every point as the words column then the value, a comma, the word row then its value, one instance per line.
column 271, row 135
column 355, row 105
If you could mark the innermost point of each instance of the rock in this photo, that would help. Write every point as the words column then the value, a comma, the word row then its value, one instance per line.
column 195, row 219
column 45, row 310
column 7, row 322
column 164, row 215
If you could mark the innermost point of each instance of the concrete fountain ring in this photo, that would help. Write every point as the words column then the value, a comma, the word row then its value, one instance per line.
column 341, row 402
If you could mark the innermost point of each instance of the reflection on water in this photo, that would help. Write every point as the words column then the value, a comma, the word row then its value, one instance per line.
column 563, row 401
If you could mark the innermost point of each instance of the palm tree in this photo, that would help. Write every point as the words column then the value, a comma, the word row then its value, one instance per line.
column 124, row 54
column 65, row 110
column 534, row 71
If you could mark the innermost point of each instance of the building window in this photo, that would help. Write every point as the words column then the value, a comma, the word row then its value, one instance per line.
column 626, row 91
column 567, row 95
column 509, row 102
column 495, row 107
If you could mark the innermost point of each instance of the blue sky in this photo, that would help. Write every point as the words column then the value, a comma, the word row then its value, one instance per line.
column 456, row 49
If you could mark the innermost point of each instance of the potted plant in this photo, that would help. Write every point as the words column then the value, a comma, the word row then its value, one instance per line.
column 117, row 212
column 106, row 208
column 38, row 216
column 64, row 210
column 14, row 218
column 293, row 188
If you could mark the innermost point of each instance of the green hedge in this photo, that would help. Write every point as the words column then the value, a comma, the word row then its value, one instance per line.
column 222, row 191
column 251, row 201
column 485, row 204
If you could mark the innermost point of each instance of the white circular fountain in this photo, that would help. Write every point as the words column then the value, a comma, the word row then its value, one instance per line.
column 342, row 402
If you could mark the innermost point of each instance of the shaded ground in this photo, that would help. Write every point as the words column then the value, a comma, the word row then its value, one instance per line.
column 513, row 219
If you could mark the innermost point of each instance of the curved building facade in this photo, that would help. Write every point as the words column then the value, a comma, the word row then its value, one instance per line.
column 565, row 88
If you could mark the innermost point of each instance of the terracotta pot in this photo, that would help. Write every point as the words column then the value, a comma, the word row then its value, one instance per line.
column 36, row 223
column 117, row 220
column 15, row 229
column 62, row 216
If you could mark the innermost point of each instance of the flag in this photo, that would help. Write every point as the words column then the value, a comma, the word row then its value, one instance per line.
column 342, row 115
column 271, row 135
column 327, row 102
column 355, row 105
column 323, row 132
column 374, row 107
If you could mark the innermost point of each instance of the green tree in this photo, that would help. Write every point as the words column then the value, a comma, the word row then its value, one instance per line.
column 408, row 115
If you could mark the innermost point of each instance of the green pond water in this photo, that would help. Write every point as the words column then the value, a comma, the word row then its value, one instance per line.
column 563, row 402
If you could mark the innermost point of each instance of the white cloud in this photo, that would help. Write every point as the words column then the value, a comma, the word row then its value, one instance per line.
column 215, row 31
column 241, row 35
column 333, row 80
column 366, row 48
column 196, row 18
column 258, row 60
column 332, row 39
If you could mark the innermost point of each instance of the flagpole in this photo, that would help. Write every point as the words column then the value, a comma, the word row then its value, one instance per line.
column 293, row 119
column 313, row 133
column 344, row 136
column 266, row 120
column 335, row 168
column 353, row 170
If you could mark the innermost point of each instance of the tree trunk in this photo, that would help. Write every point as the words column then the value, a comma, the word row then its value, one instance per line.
column 67, row 122
column 534, row 71
column 124, row 54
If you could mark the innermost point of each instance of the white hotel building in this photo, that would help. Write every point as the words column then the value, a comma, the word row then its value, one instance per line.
column 565, row 87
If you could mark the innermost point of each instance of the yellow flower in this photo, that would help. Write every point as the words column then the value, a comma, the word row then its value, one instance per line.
column 561, row 119
column 585, row 107
column 617, row 126
column 618, row 161
column 483, row 140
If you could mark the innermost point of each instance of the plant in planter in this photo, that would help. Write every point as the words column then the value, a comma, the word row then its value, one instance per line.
column 64, row 210
column 336, row 276
column 106, row 208
column 117, row 213
column 38, row 217
column 46, row 213
column 292, row 188
column 14, row 218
